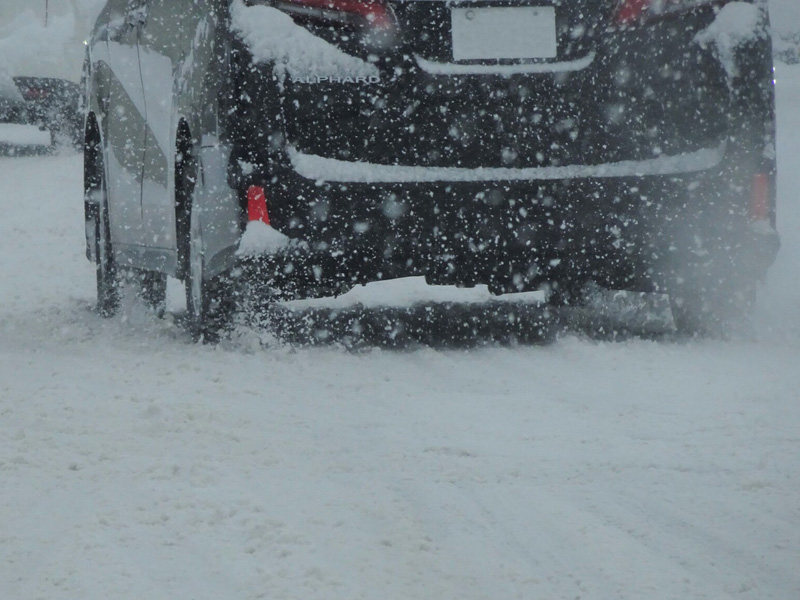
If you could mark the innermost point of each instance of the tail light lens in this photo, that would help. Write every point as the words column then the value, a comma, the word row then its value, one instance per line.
column 257, row 204
column 35, row 93
column 374, row 14
column 760, row 198
column 632, row 12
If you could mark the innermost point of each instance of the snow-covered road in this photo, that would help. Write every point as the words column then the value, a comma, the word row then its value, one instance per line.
column 136, row 465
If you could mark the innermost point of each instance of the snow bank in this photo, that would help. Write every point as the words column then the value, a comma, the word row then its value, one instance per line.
column 273, row 37
column 736, row 25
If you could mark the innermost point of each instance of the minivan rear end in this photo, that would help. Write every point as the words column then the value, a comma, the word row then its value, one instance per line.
column 438, row 138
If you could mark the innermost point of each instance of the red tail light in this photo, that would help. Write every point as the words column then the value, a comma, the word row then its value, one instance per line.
column 34, row 93
column 257, row 204
column 631, row 12
column 372, row 13
column 759, row 198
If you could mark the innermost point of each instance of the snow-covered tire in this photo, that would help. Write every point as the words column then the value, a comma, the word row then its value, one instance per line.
column 96, row 202
column 194, row 280
column 208, row 299
column 153, row 290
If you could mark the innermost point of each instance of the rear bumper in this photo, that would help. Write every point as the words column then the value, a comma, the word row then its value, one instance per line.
column 510, row 229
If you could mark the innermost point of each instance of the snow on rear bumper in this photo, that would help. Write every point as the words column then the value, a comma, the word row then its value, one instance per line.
column 319, row 168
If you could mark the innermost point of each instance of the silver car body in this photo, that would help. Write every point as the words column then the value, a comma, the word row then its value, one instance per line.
column 136, row 41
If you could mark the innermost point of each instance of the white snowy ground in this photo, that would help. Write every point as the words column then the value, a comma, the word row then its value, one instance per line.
column 136, row 465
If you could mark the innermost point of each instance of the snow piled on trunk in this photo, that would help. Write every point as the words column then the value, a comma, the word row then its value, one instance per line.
column 274, row 38
column 736, row 25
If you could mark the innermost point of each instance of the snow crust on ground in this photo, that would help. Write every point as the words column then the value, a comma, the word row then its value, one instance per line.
column 273, row 37
column 137, row 465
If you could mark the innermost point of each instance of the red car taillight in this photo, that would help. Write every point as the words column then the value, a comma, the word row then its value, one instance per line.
column 631, row 12
column 372, row 13
column 760, row 197
column 34, row 93
column 257, row 204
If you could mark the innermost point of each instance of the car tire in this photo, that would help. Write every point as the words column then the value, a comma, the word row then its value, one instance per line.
column 153, row 291
column 208, row 299
column 96, row 202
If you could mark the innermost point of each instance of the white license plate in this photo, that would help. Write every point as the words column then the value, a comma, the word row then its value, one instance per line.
column 504, row 32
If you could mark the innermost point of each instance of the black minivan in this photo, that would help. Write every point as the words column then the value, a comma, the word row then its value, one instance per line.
column 300, row 147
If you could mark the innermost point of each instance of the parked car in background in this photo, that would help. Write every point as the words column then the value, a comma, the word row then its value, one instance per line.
column 46, row 110
column 301, row 147
column 41, row 56
column 15, row 130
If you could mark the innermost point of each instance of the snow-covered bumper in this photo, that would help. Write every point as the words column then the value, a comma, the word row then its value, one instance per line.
column 512, row 229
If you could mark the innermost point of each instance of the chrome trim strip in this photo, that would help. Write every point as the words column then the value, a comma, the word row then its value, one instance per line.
column 440, row 68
